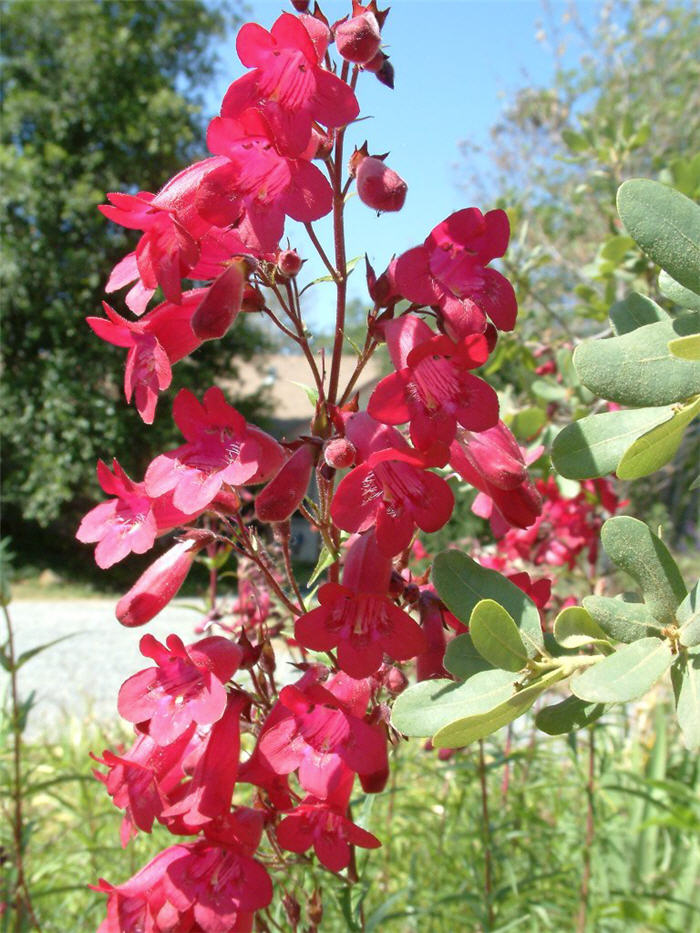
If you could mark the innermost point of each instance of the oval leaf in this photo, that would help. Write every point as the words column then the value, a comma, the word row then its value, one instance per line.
column 461, row 583
column 568, row 716
column 688, row 617
column 688, row 700
column 635, row 311
column 686, row 348
column 625, row 622
column 666, row 225
column 496, row 637
column 639, row 552
column 428, row 706
column 625, row 675
column 659, row 445
column 638, row 368
column 470, row 728
column 574, row 627
column 595, row 445
column 682, row 296
column 462, row 659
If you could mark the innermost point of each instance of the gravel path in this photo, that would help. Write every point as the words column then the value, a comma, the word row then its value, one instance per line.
column 81, row 676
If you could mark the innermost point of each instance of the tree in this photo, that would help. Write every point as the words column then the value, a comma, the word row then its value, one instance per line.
column 91, row 90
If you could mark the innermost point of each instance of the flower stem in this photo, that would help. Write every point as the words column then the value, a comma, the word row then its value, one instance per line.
column 486, row 832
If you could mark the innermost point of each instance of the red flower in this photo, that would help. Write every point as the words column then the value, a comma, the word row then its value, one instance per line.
column 187, row 685
column 283, row 495
column 316, row 823
column 287, row 70
column 432, row 388
column 449, row 270
column 129, row 523
column 158, row 584
column 358, row 617
column 392, row 489
column 221, row 449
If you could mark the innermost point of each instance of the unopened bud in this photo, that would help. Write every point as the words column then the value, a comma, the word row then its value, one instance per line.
column 358, row 39
column 379, row 186
column 376, row 63
column 314, row 907
column 289, row 263
column 394, row 680
column 220, row 306
column 386, row 74
column 301, row 6
column 339, row 453
column 283, row 495
column 317, row 28
column 157, row 585
column 411, row 593
column 252, row 300
column 292, row 909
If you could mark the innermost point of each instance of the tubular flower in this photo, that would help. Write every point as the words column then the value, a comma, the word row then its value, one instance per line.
column 449, row 270
column 431, row 387
column 221, row 449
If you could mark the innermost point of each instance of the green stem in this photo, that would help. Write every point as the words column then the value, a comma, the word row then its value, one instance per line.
column 486, row 832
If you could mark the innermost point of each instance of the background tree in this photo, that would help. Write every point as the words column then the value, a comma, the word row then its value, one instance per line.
column 91, row 89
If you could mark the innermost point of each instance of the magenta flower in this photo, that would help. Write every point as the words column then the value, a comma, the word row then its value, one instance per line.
column 494, row 464
column 187, row 685
column 287, row 69
column 322, row 735
column 432, row 388
column 221, row 449
column 449, row 270
column 129, row 523
column 158, row 340
column 392, row 490
column 327, row 829
column 358, row 617
column 285, row 492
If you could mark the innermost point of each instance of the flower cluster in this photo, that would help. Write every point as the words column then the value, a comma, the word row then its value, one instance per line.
column 224, row 755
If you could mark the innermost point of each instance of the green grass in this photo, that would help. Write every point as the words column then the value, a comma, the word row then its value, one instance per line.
column 429, row 875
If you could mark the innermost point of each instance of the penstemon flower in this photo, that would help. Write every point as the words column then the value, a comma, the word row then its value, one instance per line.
column 229, row 754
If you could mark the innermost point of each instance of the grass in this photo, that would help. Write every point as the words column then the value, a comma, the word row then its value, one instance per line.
column 429, row 876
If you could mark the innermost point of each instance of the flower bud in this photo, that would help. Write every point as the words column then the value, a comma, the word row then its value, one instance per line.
column 394, row 680
column 157, row 585
column 301, row 6
column 429, row 664
column 282, row 496
column 252, row 300
column 386, row 73
column 289, row 263
column 379, row 186
column 317, row 28
column 339, row 453
column 358, row 38
column 220, row 306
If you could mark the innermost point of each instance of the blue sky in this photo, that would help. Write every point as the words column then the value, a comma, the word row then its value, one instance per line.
column 455, row 61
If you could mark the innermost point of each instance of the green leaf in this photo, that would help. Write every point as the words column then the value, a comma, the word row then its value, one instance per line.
column 528, row 422
column 475, row 726
column 634, row 548
column 666, row 225
column 635, row 311
column 548, row 390
column 688, row 700
column 595, row 445
column 659, row 445
column 575, row 142
column 625, row 622
column 325, row 559
column 568, row 716
column 637, row 368
column 574, row 627
column 686, row 348
column 688, row 618
column 428, row 706
column 625, row 675
column 462, row 659
column 681, row 296
column 496, row 637
column 461, row 583
column 311, row 391
column 33, row 652
column 616, row 247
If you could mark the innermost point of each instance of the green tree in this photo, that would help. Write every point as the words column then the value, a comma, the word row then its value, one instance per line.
column 97, row 96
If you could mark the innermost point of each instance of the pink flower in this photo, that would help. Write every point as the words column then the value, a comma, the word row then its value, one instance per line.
column 327, row 828
column 287, row 69
column 221, row 448
column 449, row 270
column 220, row 305
column 321, row 734
column 129, row 523
column 392, row 489
column 379, row 186
column 158, row 340
column 358, row 617
column 187, row 685
column 158, row 584
column 432, row 388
